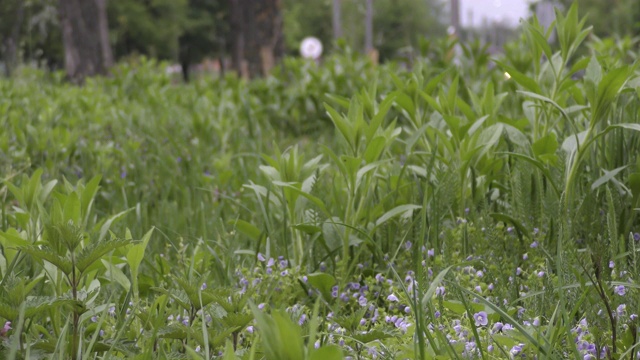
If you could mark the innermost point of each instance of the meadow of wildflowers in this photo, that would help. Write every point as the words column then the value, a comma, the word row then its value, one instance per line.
column 468, row 208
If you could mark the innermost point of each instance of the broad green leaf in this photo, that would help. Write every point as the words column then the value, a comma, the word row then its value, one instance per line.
column 246, row 228
column 634, row 184
column 608, row 175
column 476, row 125
column 72, row 210
column 454, row 306
column 547, row 144
column 330, row 352
column 373, row 335
column 437, row 281
column 374, row 149
column 87, row 197
column 229, row 354
column 401, row 209
column 376, row 121
column 96, row 250
column 135, row 256
column 405, row 103
column 307, row 228
column 323, row 282
column 522, row 231
column 570, row 144
column 114, row 273
column 46, row 190
column 628, row 126
column 345, row 128
column 593, row 72
column 366, row 169
column 547, row 100
column 524, row 81
column 538, row 38
column 272, row 173
column 104, row 229
column 316, row 201
column 13, row 238
column 340, row 100
column 60, row 262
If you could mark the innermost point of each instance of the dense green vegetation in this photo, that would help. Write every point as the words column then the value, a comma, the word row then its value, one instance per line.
column 463, row 208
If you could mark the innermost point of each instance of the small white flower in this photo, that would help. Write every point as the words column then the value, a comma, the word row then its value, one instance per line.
column 311, row 48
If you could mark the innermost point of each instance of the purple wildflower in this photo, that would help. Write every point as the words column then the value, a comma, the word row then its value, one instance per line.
column 6, row 328
column 497, row 327
column 481, row 318
column 517, row 349
column 379, row 278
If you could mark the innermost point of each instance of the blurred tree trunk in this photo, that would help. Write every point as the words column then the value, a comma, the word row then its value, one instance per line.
column 237, row 34
column 11, row 41
column 337, row 19
column 85, row 37
column 257, row 41
column 368, row 27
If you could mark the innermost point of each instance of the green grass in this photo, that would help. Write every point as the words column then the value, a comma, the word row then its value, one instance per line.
column 473, row 208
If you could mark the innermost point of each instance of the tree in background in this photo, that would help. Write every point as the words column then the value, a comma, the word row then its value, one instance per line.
column 205, row 33
column 11, row 29
column 147, row 27
column 30, row 31
column 85, row 38
column 308, row 18
column 257, row 35
column 253, row 33
column 610, row 17
column 397, row 24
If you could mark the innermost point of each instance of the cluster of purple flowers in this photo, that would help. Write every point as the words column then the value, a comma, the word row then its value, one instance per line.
column 400, row 323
